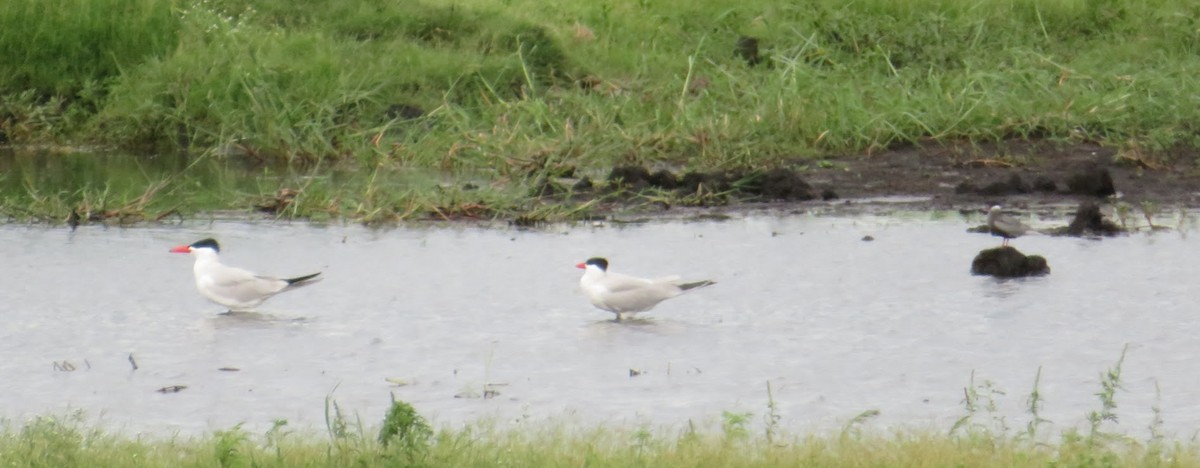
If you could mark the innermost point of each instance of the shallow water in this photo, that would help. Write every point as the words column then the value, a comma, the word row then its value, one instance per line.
column 837, row 325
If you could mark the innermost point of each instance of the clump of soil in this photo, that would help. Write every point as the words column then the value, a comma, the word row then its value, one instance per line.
column 1008, row 262
column 747, row 49
column 953, row 173
column 1089, row 221
column 769, row 185
column 778, row 184
column 1093, row 181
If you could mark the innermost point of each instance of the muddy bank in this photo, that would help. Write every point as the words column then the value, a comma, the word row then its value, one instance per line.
column 965, row 176
column 1016, row 172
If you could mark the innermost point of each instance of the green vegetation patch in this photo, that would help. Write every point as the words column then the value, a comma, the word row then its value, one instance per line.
column 519, row 87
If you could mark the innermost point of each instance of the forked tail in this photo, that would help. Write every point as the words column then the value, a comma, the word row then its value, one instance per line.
column 301, row 280
column 696, row 284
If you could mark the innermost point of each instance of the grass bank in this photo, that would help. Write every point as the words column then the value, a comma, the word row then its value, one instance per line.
column 522, row 89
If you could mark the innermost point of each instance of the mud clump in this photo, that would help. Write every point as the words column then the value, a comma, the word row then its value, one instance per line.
column 1008, row 262
column 629, row 177
column 1013, row 185
column 404, row 112
column 774, row 184
column 1094, row 182
column 747, row 49
column 708, row 181
column 778, row 184
column 663, row 178
column 1044, row 184
column 583, row 185
column 1089, row 220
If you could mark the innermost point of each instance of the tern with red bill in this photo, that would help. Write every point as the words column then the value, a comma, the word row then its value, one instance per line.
column 627, row 295
column 239, row 290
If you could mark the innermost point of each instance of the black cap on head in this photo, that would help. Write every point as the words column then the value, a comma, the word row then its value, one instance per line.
column 207, row 243
column 600, row 263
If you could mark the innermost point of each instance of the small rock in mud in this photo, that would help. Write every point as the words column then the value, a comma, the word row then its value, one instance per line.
column 1094, row 182
column 966, row 187
column 546, row 188
column 565, row 171
column 1089, row 220
column 828, row 194
column 630, row 177
column 1008, row 262
column 584, row 185
column 779, row 184
column 868, row 238
column 711, row 182
column 403, row 112
column 1044, row 184
column 747, row 49
column 279, row 202
column 1014, row 185
column 663, row 179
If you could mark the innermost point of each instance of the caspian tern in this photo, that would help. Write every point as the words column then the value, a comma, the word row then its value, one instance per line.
column 232, row 287
column 627, row 295
column 1005, row 226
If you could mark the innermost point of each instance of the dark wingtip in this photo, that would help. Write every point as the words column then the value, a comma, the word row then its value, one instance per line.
column 696, row 284
column 301, row 279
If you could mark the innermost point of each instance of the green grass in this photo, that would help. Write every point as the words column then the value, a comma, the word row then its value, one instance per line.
column 68, row 442
column 520, row 88
column 981, row 438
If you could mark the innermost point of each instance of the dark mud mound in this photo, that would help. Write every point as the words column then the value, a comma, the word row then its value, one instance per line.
column 1093, row 182
column 747, row 49
column 693, row 182
column 1008, row 262
column 1013, row 185
column 1089, row 221
column 779, row 184
column 629, row 177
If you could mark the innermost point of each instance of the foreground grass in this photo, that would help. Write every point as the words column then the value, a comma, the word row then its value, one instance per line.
column 63, row 443
column 981, row 438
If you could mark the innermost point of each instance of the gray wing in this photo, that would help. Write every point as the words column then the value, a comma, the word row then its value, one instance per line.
column 1010, row 226
column 242, row 285
column 615, row 282
column 638, row 299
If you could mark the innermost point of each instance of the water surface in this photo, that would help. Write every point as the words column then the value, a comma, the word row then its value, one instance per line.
column 837, row 325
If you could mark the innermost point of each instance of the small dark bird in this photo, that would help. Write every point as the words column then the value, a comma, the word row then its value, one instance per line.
column 1005, row 226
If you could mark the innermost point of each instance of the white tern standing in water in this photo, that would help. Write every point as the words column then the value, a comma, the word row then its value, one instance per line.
column 232, row 287
column 627, row 295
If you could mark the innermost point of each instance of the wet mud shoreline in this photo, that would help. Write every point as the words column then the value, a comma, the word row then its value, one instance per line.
column 1042, row 176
